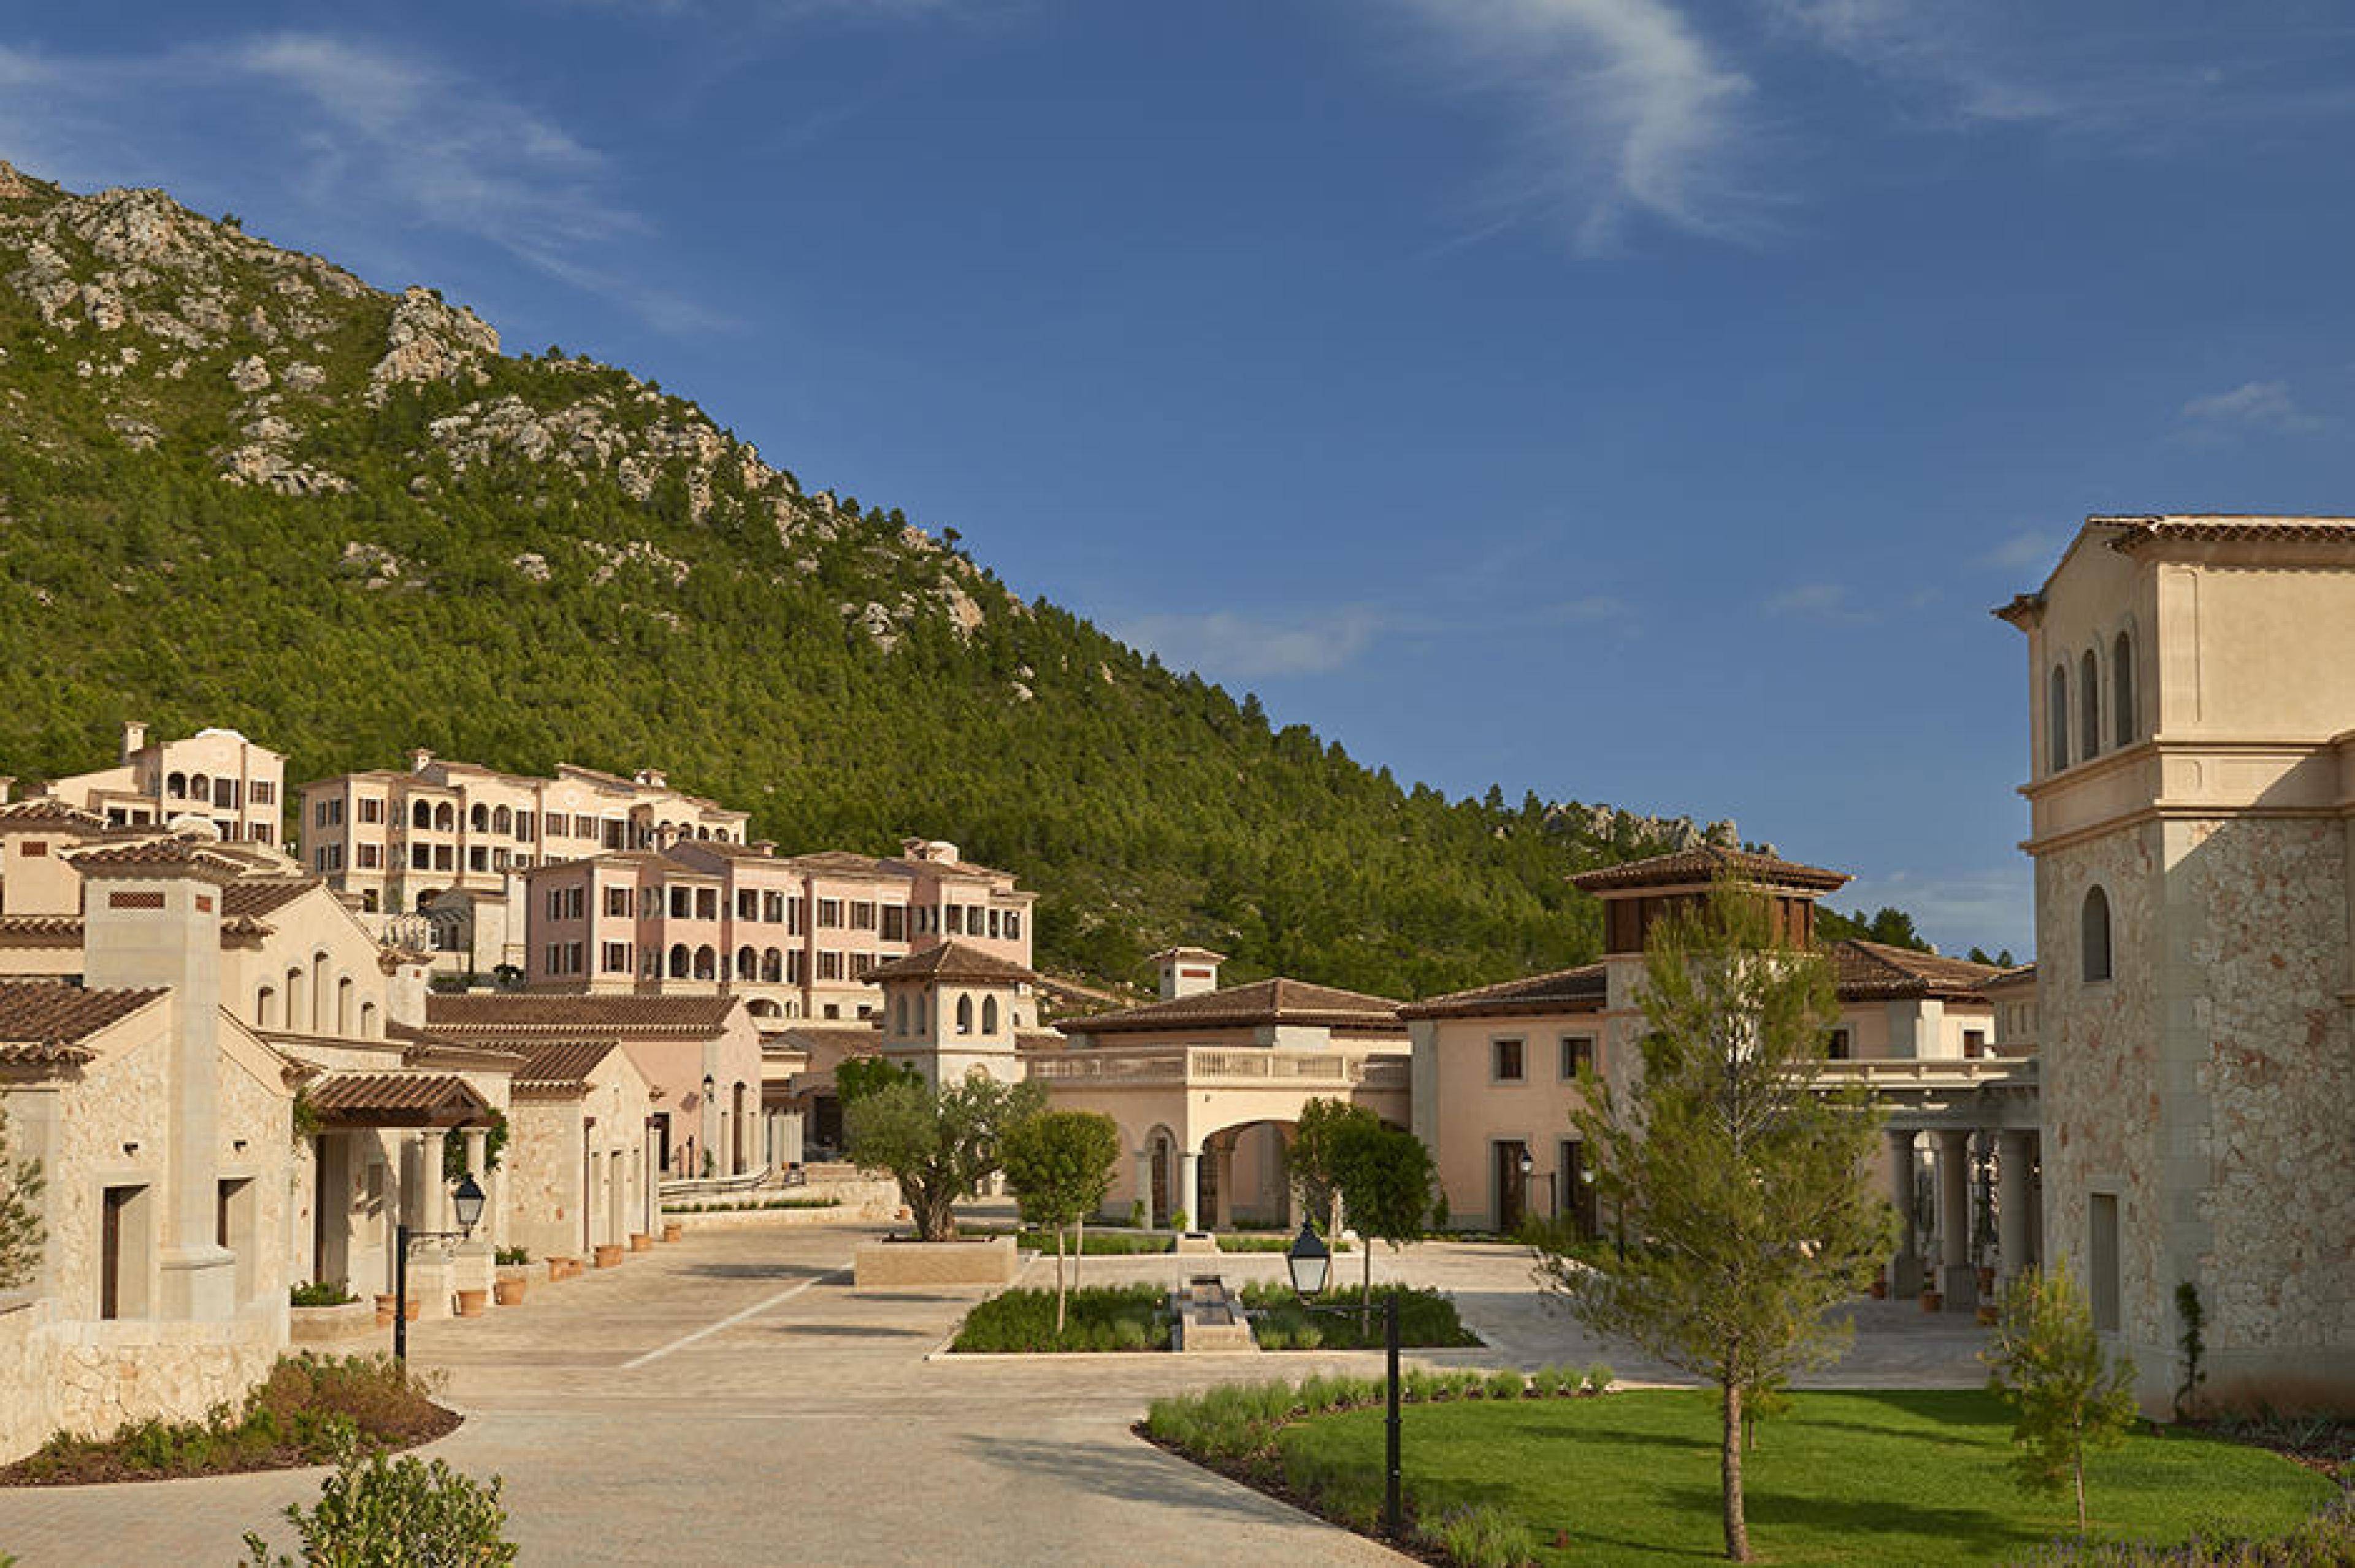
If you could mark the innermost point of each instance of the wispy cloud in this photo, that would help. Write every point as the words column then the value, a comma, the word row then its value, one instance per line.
column 2029, row 547
column 1229, row 646
column 381, row 135
column 2252, row 407
column 1993, row 909
column 1625, row 110
column 1827, row 601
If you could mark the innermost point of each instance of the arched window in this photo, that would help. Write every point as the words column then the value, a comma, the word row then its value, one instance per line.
column 2056, row 720
column 200, row 788
column 343, row 997
column 748, row 964
column 445, row 817
column 964, row 1015
column 707, row 963
column 772, row 965
column 2088, row 706
column 989, row 1015
column 264, row 1002
column 319, row 1002
column 2122, row 691
column 899, row 1014
column 2093, row 934
column 421, row 815
column 369, row 1028
column 678, row 961
column 503, row 821
column 176, row 786
column 295, row 1010
column 479, row 818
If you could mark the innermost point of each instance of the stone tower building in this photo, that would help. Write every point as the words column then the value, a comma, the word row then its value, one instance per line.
column 2193, row 800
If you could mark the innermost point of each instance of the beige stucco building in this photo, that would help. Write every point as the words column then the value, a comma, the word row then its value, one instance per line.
column 2192, row 798
column 582, row 1172
column 216, row 775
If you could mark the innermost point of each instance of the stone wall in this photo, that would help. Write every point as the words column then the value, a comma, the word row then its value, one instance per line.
column 92, row 1377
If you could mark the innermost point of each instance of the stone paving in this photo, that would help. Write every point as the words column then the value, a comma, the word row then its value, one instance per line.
column 731, row 1398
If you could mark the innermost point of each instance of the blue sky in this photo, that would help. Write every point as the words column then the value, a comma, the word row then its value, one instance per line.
column 1639, row 400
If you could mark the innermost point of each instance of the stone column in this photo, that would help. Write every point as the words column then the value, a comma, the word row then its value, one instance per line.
column 2011, row 1201
column 1906, row 1268
column 1189, row 1186
column 1957, row 1279
column 1223, row 1165
column 1145, row 1184
column 434, row 1192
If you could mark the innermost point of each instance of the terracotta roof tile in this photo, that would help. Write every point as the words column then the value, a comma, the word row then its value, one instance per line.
column 165, row 850
column 43, row 810
column 409, row 1099
column 1875, row 969
column 1564, row 990
column 1276, row 1001
column 2129, row 534
column 843, row 863
column 562, row 1066
column 953, row 961
column 610, row 1017
column 40, row 930
column 1704, row 862
column 48, row 1020
column 257, row 898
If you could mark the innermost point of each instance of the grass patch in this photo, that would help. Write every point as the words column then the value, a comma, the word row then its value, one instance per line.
column 1102, row 1317
column 309, row 1410
column 1119, row 1243
column 1426, row 1319
column 1864, row 1478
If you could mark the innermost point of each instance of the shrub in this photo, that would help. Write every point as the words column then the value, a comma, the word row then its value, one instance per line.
column 1478, row 1536
column 1558, row 1379
column 513, row 1256
column 1023, row 1322
column 1507, row 1384
column 324, row 1292
column 2328, row 1537
column 1426, row 1318
column 375, row 1512
column 1598, row 1378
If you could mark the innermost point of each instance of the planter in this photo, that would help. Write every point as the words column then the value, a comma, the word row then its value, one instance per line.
column 509, row 1293
column 562, row 1268
column 641, row 1243
column 884, row 1265
column 328, row 1325
column 472, row 1303
column 672, row 1231
column 384, row 1308
column 609, row 1254
column 1933, row 1301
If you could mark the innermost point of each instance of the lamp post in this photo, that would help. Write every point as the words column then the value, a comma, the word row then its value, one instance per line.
column 467, row 1200
column 1310, row 1263
column 1553, row 1190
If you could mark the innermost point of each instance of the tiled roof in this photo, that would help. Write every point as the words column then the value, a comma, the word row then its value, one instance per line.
column 952, row 961
column 165, row 850
column 2016, row 975
column 1875, row 969
column 973, row 868
column 561, row 1066
column 2128, row 534
column 608, row 1016
column 843, row 863
column 1276, row 1001
column 403, row 1099
column 1705, row 862
column 42, row 810
column 848, row 1037
column 47, row 1020
column 1564, row 990
column 257, row 898
column 40, row 930
column 726, row 849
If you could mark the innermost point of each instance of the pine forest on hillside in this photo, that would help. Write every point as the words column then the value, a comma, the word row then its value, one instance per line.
column 238, row 486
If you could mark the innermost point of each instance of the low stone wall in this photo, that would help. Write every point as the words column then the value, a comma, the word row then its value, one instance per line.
column 91, row 1378
column 864, row 1202
column 331, row 1324
column 25, row 1421
column 890, row 1266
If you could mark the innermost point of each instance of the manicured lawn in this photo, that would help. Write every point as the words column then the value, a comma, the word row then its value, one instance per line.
column 1898, row 1477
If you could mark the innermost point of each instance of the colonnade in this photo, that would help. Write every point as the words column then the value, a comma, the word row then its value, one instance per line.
column 2015, row 1202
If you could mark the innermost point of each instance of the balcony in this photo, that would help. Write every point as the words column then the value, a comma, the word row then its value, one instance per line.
column 1205, row 1067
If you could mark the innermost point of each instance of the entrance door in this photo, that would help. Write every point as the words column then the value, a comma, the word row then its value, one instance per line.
column 1512, row 1185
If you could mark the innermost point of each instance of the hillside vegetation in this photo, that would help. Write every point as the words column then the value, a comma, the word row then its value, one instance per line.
column 240, row 486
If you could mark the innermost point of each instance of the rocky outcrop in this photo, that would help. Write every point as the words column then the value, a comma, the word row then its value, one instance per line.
column 430, row 341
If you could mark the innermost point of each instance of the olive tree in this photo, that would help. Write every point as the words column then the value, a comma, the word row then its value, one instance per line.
column 938, row 1145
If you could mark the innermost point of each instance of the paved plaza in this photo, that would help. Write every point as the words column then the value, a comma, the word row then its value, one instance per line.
column 730, row 1399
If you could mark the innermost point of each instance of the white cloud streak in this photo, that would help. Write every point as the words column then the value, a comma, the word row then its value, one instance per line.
column 2023, row 550
column 2265, row 407
column 1993, row 909
column 1625, row 110
column 1225, row 646
column 1825, row 602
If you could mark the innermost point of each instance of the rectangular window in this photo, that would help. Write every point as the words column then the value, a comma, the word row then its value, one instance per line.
column 706, row 903
column 617, row 901
column 956, row 919
column 555, row 904
column 860, row 963
column 421, row 857
column 862, row 914
column 262, row 792
column 1577, row 1055
column 829, row 914
column 682, row 903
column 1014, row 925
column 440, row 857
column 523, row 825
column 796, row 969
column 2101, row 1258
column 772, row 908
column 616, row 834
column 123, row 1253
column 558, row 824
column 1839, row 1048
column 369, row 808
column 748, row 904
column 478, row 858
column 617, row 958
column 994, row 916
column 829, row 966
column 574, row 957
column 1505, row 1061
column 1973, row 1043
column 371, row 856
column 794, row 916
column 895, row 923
column 319, row 815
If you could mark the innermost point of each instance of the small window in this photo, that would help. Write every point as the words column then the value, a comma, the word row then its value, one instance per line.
column 2056, row 720
column 1577, row 1055
column 1838, row 1048
column 2093, row 934
column 2101, row 1258
column 1505, row 1061
column 1973, row 1043
column 2089, row 703
column 2121, row 689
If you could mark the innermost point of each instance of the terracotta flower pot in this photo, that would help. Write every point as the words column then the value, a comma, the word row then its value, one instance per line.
column 472, row 1303
column 641, row 1243
column 509, row 1292
column 1989, row 1316
column 384, row 1308
column 1879, row 1290
column 609, row 1254
column 672, row 1231
column 562, row 1268
column 1933, row 1301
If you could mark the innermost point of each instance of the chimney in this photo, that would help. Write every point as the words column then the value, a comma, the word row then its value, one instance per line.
column 419, row 759
column 1188, row 971
column 134, row 739
column 150, row 918
column 938, row 850
column 653, row 778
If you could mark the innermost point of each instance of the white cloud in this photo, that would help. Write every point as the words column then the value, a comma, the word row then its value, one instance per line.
column 1623, row 107
column 382, row 138
column 1225, row 646
column 1992, row 909
column 1817, row 602
column 2261, row 406
column 2023, row 550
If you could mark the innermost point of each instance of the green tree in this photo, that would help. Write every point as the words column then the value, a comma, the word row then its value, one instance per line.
column 1315, row 1154
column 2066, row 1397
column 1386, row 1180
column 860, row 1075
column 1743, row 1177
column 383, row 1512
column 941, row 1146
column 1061, row 1164
column 21, row 1231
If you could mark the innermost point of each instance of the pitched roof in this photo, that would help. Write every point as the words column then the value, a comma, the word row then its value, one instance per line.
column 169, row 849
column 842, row 862
column 396, row 1099
column 48, row 1020
column 1276, row 1001
column 42, row 810
column 40, row 930
column 1705, row 862
column 609, row 1017
column 1578, row 990
column 2127, row 534
column 1875, row 969
column 257, row 898
column 562, row 1066
column 953, row 961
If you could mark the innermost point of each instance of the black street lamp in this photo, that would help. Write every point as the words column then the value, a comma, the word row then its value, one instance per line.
column 1553, row 1190
column 467, row 1200
column 1310, row 1263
